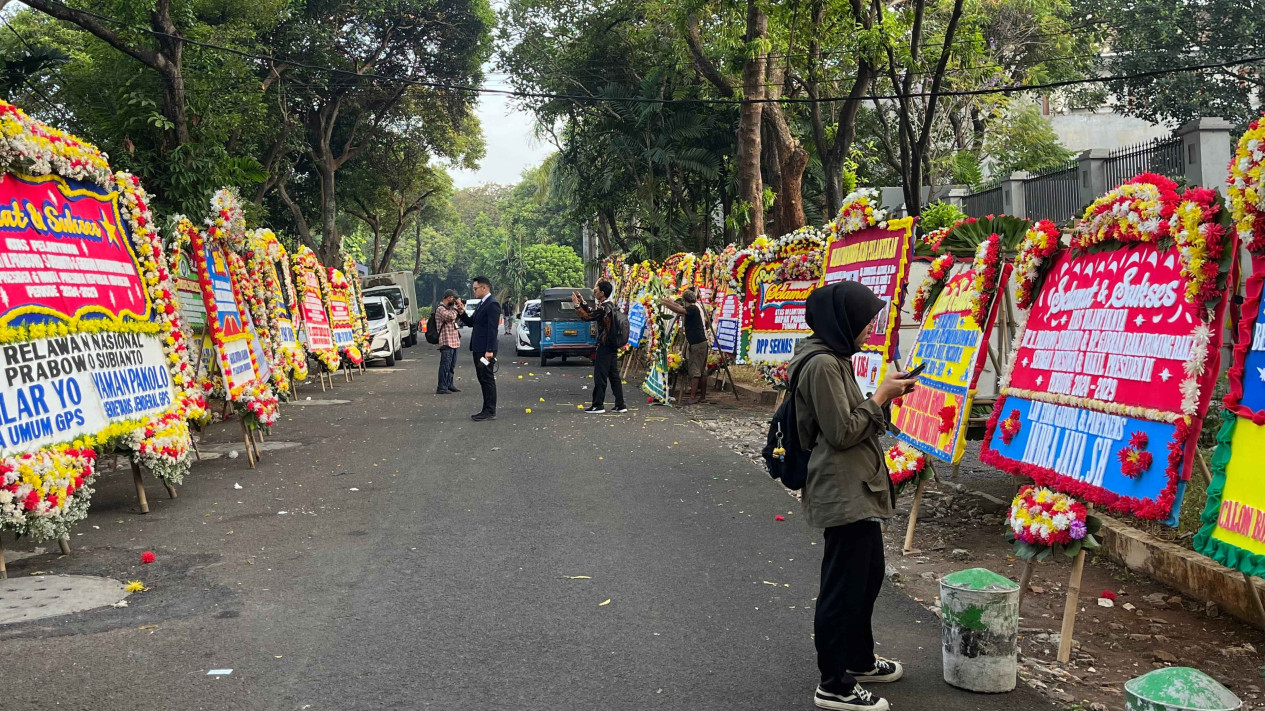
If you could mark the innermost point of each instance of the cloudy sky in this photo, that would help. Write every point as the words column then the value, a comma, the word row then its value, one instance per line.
column 511, row 146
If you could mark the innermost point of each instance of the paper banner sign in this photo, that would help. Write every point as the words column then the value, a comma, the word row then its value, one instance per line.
column 340, row 316
column 1101, row 399
column 65, row 254
column 192, row 309
column 636, row 324
column 228, row 326
column 934, row 415
column 66, row 257
column 755, row 276
column 777, row 323
column 728, row 323
column 877, row 257
column 315, row 320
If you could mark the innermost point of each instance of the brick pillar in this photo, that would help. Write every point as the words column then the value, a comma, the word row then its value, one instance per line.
column 1091, row 174
column 1012, row 200
column 1206, row 151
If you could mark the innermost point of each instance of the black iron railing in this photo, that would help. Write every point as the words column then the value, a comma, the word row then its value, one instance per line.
column 1162, row 156
column 1053, row 193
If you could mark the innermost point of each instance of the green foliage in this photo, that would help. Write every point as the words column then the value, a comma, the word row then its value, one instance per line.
column 1024, row 140
column 1158, row 35
column 549, row 265
column 939, row 214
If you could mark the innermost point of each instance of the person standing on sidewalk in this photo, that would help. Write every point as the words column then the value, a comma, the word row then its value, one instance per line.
column 606, row 361
column 697, row 347
column 509, row 317
column 446, row 313
column 483, row 323
column 848, row 493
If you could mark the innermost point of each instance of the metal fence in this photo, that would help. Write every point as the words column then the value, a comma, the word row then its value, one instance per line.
column 1162, row 155
column 1052, row 193
column 985, row 202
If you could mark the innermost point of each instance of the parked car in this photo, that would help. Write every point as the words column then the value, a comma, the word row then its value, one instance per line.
column 562, row 332
column 528, row 330
column 404, row 307
column 384, row 330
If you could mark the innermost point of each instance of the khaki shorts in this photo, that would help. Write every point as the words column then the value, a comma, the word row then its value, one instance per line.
column 696, row 359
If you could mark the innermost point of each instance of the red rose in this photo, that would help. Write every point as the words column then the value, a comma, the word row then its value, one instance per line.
column 147, row 557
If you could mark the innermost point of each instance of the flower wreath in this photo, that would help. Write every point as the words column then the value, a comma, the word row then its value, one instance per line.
column 227, row 221
column 987, row 270
column 264, row 251
column 303, row 261
column 43, row 493
column 862, row 208
column 358, row 302
column 1136, row 211
column 252, row 280
column 774, row 375
column 762, row 249
column 1042, row 522
column 1146, row 209
column 338, row 284
column 1033, row 261
column 906, row 464
column 929, row 290
column 1245, row 187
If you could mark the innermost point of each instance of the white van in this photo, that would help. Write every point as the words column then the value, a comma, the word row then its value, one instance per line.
column 400, row 289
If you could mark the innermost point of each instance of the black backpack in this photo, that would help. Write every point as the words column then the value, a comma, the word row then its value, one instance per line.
column 618, row 334
column 432, row 331
column 782, row 452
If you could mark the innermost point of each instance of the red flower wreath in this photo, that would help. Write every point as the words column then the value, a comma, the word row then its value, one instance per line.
column 1134, row 459
column 1010, row 427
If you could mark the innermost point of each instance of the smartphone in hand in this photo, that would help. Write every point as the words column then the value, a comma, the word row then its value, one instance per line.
column 917, row 370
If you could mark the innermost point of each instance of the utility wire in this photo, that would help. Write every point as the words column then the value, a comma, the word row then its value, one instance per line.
column 581, row 98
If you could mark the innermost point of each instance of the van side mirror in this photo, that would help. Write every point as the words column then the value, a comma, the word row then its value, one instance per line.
column 406, row 301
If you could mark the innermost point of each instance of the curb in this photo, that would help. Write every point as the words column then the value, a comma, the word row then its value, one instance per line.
column 1195, row 576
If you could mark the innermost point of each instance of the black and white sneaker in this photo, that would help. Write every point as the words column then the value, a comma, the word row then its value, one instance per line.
column 884, row 670
column 856, row 700
column 620, row 410
column 595, row 410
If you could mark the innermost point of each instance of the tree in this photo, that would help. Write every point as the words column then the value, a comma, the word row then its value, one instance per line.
column 373, row 93
column 550, row 265
column 389, row 188
column 1155, row 35
column 1024, row 141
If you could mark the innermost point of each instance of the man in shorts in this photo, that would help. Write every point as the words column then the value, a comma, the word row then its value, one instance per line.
column 697, row 345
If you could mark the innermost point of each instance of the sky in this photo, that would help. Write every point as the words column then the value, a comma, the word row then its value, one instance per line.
column 510, row 144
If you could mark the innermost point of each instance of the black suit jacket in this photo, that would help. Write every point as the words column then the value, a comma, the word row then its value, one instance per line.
column 484, row 322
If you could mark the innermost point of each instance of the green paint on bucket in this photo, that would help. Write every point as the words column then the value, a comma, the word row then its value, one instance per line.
column 1178, row 689
column 971, row 618
column 981, row 579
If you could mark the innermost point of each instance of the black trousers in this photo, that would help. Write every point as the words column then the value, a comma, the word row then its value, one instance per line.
column 487, row 383
column 851, row 573
column 606, row 367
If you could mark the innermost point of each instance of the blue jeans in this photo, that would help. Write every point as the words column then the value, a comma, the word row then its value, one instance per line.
column 447, row 364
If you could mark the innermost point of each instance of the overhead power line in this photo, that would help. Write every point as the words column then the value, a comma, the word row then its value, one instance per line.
column 588, row 98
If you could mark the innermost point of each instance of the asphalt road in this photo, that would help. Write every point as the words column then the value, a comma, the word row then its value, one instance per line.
column 551, row 560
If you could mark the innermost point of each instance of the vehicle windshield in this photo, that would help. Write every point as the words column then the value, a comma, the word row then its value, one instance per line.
column 532, row 311
column 395, row 296
column 374, row 311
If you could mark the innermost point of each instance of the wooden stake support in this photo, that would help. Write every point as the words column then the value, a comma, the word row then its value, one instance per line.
column 1072, row 604
column 1252, row 593
column 171, row 490
column 913, row 517
column 250, row 444
column 1203, row 466
column 140, row 488
column 64, row 544
column 4, row 572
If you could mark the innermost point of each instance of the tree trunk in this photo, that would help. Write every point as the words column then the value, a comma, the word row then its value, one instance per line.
column 331, row 241
column 417, row 249
column 750, row 184
column 788, row 209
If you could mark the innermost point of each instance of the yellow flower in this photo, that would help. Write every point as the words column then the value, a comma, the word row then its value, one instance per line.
column 134, row 586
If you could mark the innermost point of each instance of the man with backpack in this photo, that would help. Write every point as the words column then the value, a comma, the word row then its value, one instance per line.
column 612, row 333
column 697, row 347
column 443, row 324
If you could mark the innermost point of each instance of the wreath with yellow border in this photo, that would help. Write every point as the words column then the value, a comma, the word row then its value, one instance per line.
column 304, row 260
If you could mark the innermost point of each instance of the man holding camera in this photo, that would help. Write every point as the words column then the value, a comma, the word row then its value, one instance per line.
column 606, row 360
column 483, row 323
column 446, row 314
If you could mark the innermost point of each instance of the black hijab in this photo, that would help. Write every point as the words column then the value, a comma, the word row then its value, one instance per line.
column 839, row 312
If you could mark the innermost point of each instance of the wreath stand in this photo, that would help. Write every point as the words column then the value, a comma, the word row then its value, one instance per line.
column 908, row 547
column 713, row 343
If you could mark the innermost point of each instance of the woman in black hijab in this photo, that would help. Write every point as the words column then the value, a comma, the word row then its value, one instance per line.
column 848, row 492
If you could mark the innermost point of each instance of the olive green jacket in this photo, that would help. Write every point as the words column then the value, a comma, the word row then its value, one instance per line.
column 847, row 475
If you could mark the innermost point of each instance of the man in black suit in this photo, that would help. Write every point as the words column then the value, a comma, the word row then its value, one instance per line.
column 484, row 321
